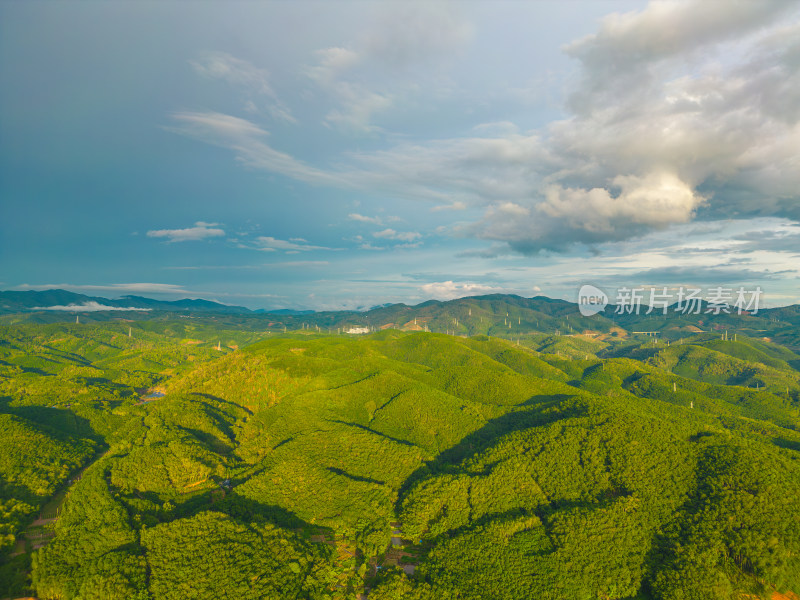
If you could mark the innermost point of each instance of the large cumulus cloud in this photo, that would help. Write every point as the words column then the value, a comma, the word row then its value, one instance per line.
column 681, row 111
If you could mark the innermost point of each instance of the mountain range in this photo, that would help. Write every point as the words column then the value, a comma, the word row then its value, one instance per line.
column 504, row 315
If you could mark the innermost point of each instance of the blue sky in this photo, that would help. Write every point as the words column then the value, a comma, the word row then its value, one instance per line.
column 343, row 154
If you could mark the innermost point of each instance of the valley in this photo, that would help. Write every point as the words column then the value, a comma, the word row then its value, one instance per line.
column 221, row 456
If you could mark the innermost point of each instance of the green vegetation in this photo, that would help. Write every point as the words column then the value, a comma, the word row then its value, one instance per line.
column 33, row 463
column 236, row 560
column 306, row 465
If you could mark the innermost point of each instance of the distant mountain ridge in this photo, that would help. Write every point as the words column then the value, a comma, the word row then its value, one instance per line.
column 284, row 311
column 13, row 301
column 500, row 315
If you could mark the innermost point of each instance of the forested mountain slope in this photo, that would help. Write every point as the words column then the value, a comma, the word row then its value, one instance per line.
column 507, row 316
column 295, row 467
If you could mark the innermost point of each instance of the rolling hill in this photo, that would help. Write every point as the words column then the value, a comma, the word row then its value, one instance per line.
column 185, row 458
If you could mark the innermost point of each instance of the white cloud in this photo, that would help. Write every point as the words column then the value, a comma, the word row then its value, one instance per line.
column 356, row 102
column 515, row 210
column 370, row 246
column 403, row 236
column 460, row 171
column 654, row 201
column 447, row 290
column 297, row 264
column 383, row 69
column 255, row 81
column 681, row 111
column 365, row 219
column 89, row 307
column 662, row 130
column 271, row 244
column 359, row 107
column 333, row 62
column 666, row 29
column 260, row 266
column 409, row 34
column 200, row 231
column 656, row 94
column 457, row 205
column 246, row 140
column 497, row 128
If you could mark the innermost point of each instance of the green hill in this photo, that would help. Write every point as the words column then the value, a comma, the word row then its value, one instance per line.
column 559, row 466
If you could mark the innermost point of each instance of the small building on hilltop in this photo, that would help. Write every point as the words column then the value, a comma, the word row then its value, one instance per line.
column 357, row 330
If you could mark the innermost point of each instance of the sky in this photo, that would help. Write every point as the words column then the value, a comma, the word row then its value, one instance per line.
column 342, row 154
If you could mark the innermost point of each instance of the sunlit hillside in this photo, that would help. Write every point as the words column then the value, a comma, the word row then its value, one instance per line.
column 395, row 464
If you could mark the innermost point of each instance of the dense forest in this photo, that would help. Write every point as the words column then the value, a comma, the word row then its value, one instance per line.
column 180, row 457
